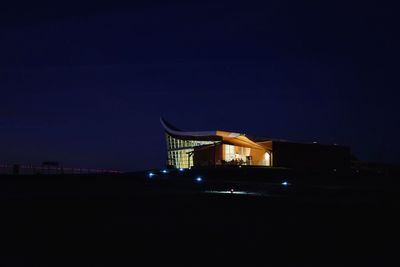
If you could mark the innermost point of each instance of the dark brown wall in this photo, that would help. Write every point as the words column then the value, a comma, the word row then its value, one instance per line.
column 204, row 156
column 310, row 156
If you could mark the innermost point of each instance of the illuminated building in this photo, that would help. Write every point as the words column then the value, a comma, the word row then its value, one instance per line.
column 186, row 149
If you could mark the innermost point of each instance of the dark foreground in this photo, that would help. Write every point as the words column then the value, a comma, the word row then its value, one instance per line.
column 129, row 220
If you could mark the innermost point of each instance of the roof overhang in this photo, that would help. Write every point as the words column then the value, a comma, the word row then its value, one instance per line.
column 231, row 138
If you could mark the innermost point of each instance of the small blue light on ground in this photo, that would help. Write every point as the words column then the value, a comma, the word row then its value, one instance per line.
column 181, row 169
column 199, row 179
column 164, row 171
column 285, row 183
column 151, row 175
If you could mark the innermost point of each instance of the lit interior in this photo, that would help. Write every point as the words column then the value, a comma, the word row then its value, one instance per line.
column 180, row 152
column 236, row 153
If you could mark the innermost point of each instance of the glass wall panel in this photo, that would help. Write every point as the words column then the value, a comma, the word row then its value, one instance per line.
column 236, row 155
column 180, row 152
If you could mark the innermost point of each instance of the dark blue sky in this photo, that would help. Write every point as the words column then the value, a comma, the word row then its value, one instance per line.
column 85, row 84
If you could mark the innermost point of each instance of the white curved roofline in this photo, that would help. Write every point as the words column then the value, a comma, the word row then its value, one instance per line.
column 229, row 137
column 184, row 133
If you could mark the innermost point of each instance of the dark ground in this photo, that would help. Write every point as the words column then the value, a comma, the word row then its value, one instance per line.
column 128, row 220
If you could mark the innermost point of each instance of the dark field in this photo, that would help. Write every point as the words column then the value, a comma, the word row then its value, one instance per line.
column 172, row 219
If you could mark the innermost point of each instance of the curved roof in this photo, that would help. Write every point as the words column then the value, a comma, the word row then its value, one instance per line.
column 231, row 138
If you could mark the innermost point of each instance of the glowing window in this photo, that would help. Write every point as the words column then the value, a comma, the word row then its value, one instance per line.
column 229, row 152
column 267, row 159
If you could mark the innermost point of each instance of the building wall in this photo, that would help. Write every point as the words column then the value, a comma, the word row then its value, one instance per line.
column 267, row 145
column 259, row 158
column 205, row 156
column 208, row 155
column 310, row 156
column 293, row 155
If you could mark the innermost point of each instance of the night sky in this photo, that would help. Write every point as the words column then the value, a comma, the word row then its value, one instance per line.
column 85, row 84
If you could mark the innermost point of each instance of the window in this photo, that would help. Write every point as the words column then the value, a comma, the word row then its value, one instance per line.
column 180, row 152
column 229, row 152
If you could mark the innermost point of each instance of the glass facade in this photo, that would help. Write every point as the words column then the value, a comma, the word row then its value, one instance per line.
column 229, row 153
column 236, row 154
column 180, row 152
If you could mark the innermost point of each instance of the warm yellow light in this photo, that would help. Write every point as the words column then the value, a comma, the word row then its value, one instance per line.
column 267, row 159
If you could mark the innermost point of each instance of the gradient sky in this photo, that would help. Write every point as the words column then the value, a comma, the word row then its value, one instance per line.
column 85, row 84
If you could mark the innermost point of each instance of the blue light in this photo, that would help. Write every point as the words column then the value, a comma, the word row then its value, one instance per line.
column 285, row 183
column 151, row 175
column 181, row 169
column 164, row 171
column 199, row 179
